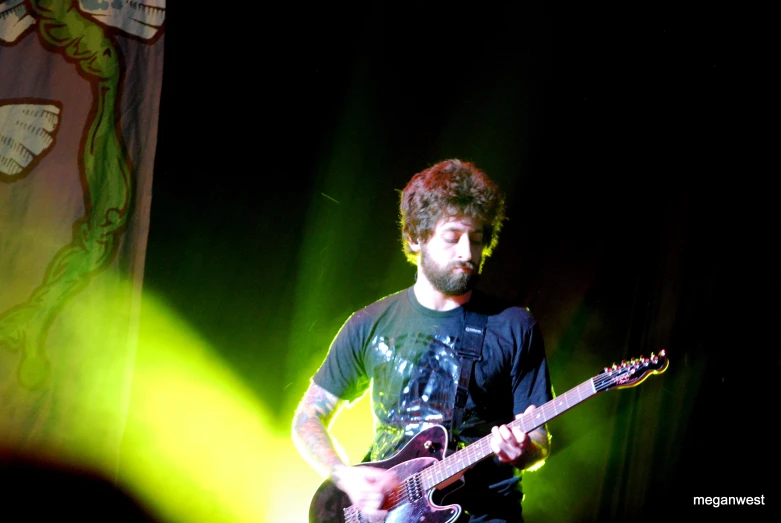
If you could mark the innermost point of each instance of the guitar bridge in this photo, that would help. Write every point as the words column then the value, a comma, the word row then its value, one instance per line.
column 413, row 487
column 353, row 515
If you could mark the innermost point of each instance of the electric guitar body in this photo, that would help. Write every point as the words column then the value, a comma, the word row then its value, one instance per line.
column 331, row 505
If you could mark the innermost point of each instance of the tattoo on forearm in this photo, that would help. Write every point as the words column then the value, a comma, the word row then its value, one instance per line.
column 310, row 426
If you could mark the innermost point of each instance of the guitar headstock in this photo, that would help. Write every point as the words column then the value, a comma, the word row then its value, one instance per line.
column 632, row 372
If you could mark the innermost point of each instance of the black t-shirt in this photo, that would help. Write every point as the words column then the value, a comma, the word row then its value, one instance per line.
column 407, row 353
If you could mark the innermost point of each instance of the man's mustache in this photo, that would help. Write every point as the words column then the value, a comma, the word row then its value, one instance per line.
column 464, row 265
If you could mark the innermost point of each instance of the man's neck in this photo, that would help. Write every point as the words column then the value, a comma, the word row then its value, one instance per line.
column 433, row 299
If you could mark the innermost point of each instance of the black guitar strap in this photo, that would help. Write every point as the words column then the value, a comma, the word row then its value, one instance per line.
column 469, row 351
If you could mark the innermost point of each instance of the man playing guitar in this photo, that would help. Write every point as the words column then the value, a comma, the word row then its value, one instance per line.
column 407, row 347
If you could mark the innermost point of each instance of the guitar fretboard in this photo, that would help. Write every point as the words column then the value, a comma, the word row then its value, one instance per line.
column 481, row 449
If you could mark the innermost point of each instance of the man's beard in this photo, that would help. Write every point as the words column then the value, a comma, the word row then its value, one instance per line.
column 444, row 280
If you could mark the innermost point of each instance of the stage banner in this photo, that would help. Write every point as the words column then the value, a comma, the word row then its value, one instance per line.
column 80, row 86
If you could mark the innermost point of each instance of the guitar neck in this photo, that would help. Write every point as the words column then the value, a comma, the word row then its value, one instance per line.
column 481, row 449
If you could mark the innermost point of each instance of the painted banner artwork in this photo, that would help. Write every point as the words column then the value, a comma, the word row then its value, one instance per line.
column 80, row 86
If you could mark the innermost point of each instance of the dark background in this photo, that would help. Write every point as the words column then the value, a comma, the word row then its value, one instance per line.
column 630, row 141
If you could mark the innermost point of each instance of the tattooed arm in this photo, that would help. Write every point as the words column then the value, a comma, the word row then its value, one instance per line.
column 366, row 486
column 310, row 429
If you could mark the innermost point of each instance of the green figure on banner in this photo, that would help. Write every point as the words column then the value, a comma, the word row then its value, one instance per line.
column 104, row 166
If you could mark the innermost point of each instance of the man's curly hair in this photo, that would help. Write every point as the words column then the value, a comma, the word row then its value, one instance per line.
column 449, row 189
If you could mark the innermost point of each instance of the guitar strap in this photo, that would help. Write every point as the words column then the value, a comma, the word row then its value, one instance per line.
column 469, row 351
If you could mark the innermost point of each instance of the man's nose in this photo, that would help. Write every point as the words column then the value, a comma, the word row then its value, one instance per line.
column 464, row 248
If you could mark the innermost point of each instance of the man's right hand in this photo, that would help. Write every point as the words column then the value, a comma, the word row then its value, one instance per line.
column 367, row 487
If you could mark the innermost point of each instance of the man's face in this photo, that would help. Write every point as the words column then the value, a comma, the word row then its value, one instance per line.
column 451, row 258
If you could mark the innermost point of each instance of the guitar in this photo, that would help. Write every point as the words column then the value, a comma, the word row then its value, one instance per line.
column 421, row 465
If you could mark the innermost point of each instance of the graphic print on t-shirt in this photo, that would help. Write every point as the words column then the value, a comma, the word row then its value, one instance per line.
column 415, row 381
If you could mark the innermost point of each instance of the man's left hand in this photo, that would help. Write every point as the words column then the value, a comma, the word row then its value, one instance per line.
column 509, row 444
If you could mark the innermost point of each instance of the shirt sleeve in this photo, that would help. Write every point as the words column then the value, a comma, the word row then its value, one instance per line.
column 531, row 379
column 343, row 372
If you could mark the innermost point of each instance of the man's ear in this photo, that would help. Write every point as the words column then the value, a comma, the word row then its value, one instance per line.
column 414, row 245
